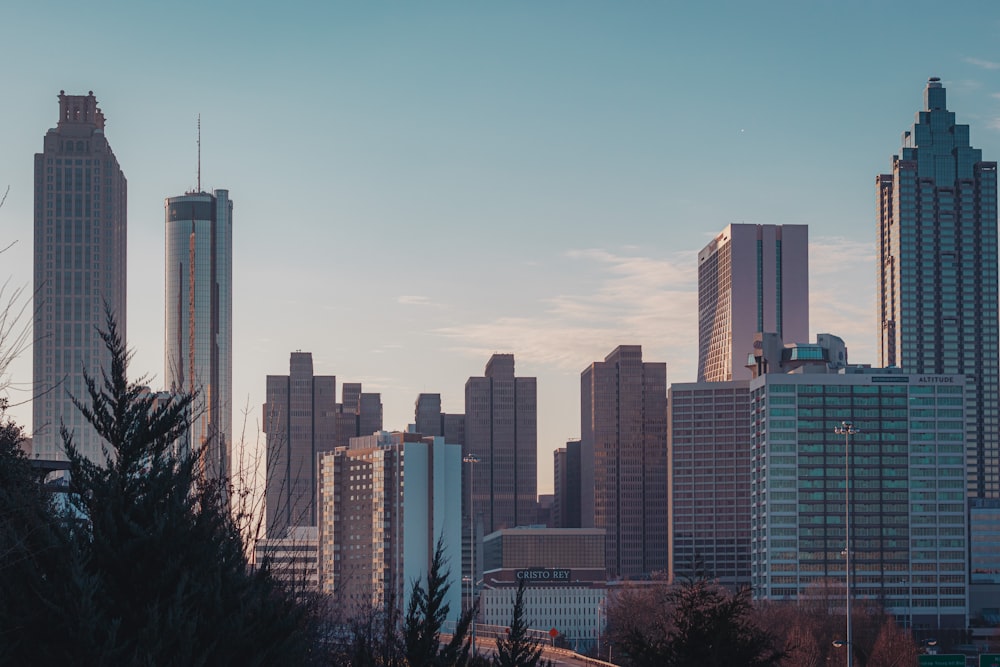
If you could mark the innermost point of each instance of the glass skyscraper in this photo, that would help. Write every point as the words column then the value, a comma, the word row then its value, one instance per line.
column 198, row 353
column 623, row 460
column 909, row 538
column 751, row 278
column 80, row 253
column 937, row 217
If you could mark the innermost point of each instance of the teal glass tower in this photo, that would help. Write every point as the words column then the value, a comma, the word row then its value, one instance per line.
column 937, row 272
column 199, row 314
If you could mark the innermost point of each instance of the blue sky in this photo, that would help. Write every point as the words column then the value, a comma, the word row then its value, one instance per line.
column 419, row 185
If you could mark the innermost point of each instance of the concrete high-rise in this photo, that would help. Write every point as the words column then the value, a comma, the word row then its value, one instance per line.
column 501, row 429
column 566, row 486
column 198, row 354
column 300, row 422
column 378, row 531
column 623, row 411
column 80, row 256
column 429, row 420
column 751, row 278
column 937, row 270
column 709, row 428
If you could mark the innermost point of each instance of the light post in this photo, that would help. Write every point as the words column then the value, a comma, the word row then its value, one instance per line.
column 472, row 459
column 847, row 429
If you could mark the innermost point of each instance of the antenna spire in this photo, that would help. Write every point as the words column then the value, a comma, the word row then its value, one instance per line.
column 199, row 152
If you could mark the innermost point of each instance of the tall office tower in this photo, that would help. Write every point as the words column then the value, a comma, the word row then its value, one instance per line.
column 357, row 414
column 198, row 355
column 80, row 238
column 501, row 430
column 709, row 448
column 369, row 413
column 377, row 532
column 623, row 413
column 908, row 532
column 566, row 484
column 750, row 278
column 427, row 414
column 299, row 422
column 429, row 420
column 937, row 275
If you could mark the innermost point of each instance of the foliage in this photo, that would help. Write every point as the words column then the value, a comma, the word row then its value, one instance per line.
column 425, row 616
column 34, row 557
column 809, row 626
column 695, row 624
column 517, row 649
column 146, row 565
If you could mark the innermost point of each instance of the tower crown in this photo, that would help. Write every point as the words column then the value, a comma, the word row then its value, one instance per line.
column 80, row 110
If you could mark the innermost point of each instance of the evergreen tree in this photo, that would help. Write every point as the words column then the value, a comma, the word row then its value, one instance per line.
column 35, row 558
column 163, row 578
column 697, row 624
column 425, row 616
column 517, row 649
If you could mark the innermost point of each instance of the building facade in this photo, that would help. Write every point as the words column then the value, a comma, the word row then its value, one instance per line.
column 751, row 278
column 501, row 431
column 299, row 423
column 385, row 502
column 567, row 487
column 908, row 533
column 937, row 274
column 623, row 442
column 709, row 481
column 563, row 571
column 293, row 559
column 79, row 270
column 429, row 420
column 198, row 352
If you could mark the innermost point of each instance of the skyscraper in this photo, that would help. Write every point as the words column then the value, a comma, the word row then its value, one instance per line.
column 908, row 533
column 429, row 420
column 300, row 422
column 80, row 254
column 566, row 485
column 751, row 278
column 198, row 353
column 384, row 502
column 501, row 429
column 709, row 445
column 937, row 274
column 623, row 412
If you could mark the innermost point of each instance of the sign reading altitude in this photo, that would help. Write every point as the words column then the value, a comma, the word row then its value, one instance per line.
column 541, row 574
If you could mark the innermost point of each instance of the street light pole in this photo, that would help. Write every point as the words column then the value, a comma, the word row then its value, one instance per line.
column 847, row 429
column 472, row 459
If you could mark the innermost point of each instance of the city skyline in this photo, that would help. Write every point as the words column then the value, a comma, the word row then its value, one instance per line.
column 554, row 128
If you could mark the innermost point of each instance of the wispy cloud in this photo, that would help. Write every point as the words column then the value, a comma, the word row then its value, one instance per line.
column 654, row 302
column 985, row 64
column 638, row 300
column 416, row 300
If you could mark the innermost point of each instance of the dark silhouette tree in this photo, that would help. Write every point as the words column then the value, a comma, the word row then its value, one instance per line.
column 516, row 648
column 697, row 624
column 425, row 617
column 35, row 559
column 163, row 578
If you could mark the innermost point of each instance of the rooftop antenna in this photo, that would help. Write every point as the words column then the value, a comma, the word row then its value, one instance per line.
column 199, row 152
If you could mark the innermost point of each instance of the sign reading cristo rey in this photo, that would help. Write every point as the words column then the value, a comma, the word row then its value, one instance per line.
column 542, row 574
